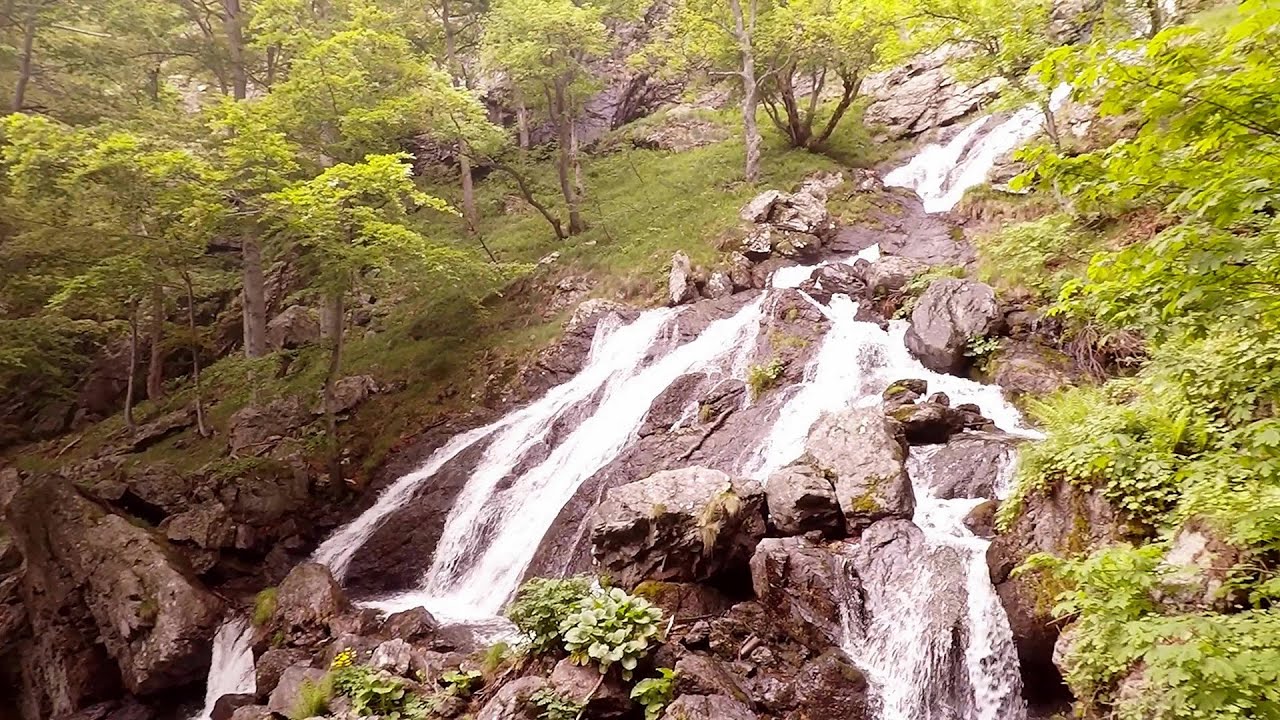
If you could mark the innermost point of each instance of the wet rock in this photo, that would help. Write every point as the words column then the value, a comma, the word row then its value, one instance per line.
column 680, row 525
column 972, row 464
column 122, row 709
column 296, row 327
column 392, row 656
column 511, row 702
column 581, row 684
column 680, row 288
column 252, row 712
column 93, row 574
column 307, row 603
column 224, row 708
column 271, row 664
column 805, row 585
column 890, row 274
column 1025, row 367
column 864, row 453
column 801, row 499
column 829, row 686
column 411, row 625
column 285, row 696
column 683, row 601
column 762, row 273
column 707, row 707
column 254, row 429
column 1064, row 522
column 927, row 423
column 947, row 316
column 834, row 279
column 981, row 520
column 904, row 391
column 801, row 245
column 760, row 207
column 718, row 285
column 702, row 675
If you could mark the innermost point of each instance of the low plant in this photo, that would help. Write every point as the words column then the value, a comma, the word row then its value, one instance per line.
column 495, row 656
column 655, row 693
column 554, row 706
column 981, row 347
column 613, row 627
column 264, row 606
column 762, row 378
column 374, row 692
column 313, row 698
column 461, row 683
column 541, row 607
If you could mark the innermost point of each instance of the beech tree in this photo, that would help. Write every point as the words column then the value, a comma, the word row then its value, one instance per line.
column 544, row 48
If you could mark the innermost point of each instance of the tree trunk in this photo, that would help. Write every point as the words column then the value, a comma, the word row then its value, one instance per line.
column 522, row 125
column 25, row 60
column 850, row 87
column 195, row 355
column 523, row 185
column 254, row 297
column 566, row 160
column 1050, row 123
column 334, row 317
column 742, row 28
column 233, row 22
column 469, row 213
column 1155, row 14
column 133, row 367
column 155, row 364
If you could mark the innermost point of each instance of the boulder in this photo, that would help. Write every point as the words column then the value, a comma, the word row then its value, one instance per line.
column 411, row 625
column 807, row 587
column 92, row 571
column 760, row 207
column 1200, row 562
column 511, row 702
column 707, row 707
column 759, row 243
column 252, row 712
column 889, row 275
column 255, row 428
column 271, row 664
column 740, row 275
column 927, row 423
column 702, row 675
column 224, row 708
column 922, row 94
column 683, row 601
column 901, row 392
column 307, row 603
column 802, row 500
column 392, row 656
column 829, row 686
column 285, row 696
column 207, row 525
column 1026, row 367
column 348, row 392
column 718, row 285
column 834, row 279
column 806, row 213
column 971, row 465
column 680, row 288
column 295, row 327
column 947, row 316
column 161, row 428
column 864, row 453
column 981, row 520
column 582, row 684
column 681, row 525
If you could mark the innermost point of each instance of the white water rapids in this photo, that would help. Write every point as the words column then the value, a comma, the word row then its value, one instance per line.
column 509, row 502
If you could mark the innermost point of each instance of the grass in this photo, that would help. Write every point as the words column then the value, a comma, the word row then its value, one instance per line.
column 313, row 698
column 264, row 606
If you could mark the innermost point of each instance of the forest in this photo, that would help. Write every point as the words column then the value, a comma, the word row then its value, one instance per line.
column 209, row 205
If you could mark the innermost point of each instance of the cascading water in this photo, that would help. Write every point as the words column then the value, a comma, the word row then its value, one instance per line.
column 231, row 669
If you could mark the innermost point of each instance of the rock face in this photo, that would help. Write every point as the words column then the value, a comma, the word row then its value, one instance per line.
column 1064, row 522
column 949, row 314
column 92, row 576
column 307, row 603
column 970, row 464
column 864, row 454
column 680, row 288
column 295, row 327
column 512, row 701
column 707, row 707
column 253, row 428
column 922, row 95
column 680, row 525
column 804, row 584
column 1025, row 367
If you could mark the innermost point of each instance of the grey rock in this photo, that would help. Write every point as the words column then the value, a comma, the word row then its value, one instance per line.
column 163, row 427
column 927, row 423
column 707, row 707
column 864, row 453
column 1199, row 563
column 971, row 465
column 411, row 625
column 702, row 675
column 890, row 274
column 285, row 696
column 296, row 327
column 207, row 525
column 718, row 285
column 582, row 684
column 224, row 708
column 1025, row 367
column 252, row 712
column 307, row 603
column 682, row 525
column 834, row 279
column 830, row 686
column 392, row 656
column 981, row 520
column 758, row 244
column 257, row 428
column 511, row 702
column 946, row 317
column 682, row 130
column 680, row 288
column 802, row 500
column 272, row 664
column 740, row 271
column 805, row 586
column 760, row 207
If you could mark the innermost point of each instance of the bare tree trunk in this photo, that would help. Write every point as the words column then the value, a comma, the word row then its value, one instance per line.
column 1155, row 14
column 742, row 30
column 1050, row 123
column 233, row 22
column 850, row 85
column 579, row 186
column 25, row 60
column 566, row 159
column 133, row 367
column 335, row 321
column 522, row 125
column 195, row 355
column 253, row 296
column 155, row 364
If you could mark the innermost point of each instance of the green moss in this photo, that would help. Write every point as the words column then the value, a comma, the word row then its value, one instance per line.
column 868, row 502
column 787, row 341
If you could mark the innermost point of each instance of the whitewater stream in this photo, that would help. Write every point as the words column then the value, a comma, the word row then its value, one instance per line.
column 501, row 515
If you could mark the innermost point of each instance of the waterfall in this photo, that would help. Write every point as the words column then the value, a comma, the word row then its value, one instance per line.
column 493, row 529
column 231, row 669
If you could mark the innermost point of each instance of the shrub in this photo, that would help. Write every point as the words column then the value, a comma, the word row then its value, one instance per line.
column 313, row 698
column 461, row 683
column 612, row 627
column 655, row 693
column 374, row 692
column 761, row 378
column 541, row 607
column 1039, row 256
column 264, row 606
column 554, row 706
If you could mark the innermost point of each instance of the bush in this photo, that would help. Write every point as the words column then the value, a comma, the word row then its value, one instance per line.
column 541, row 607
column 761, row 378
column 1037, row 257
column 655, row 693
column 461, row 683
column 375, row 692
column 612, row 627
column 313, row 698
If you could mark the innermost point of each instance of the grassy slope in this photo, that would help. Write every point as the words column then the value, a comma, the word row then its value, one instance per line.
column 642, row 205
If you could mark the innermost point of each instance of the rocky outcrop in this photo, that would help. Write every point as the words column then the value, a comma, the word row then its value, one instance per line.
column 1026, row 367
column 807, row 586
column 790, row 225
column 682, row 129
column 512, row 700
column 947, row 317
column 285, row 697
column 254, row 429
column 889, row 275
column 864, row 454
column 923, row 94
column 971, row 465
column 296, row 327
column 1199, row 563
column 581, row 684
column 680, row 287
column 707, row 707
column 96, row 587
column 681, row 525
column 307, row 604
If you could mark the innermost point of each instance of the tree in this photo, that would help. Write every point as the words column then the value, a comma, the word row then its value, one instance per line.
column 349, row 225
column 544, row 48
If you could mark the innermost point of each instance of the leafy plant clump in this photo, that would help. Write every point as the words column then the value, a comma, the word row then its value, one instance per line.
column 762, row 378
column 313, row 698
column 655, row 693
column 612, row 627
column 554, row 706
column 462, row 683
column 541, row 607
column 264, row 606
column 375, row 692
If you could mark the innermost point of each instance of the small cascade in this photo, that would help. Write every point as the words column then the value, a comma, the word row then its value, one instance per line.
column 941, row 173
column 494, row 529
column 231, row 669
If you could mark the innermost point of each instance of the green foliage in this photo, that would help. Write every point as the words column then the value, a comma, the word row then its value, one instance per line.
column 981, row 347
column 655, row 693
column 554, row 706
column 377, row 692
column 762, row 378
column 612, row 627
column 264, row 606
column 313, row 698
column 541, row 607
column 1036, row 257
column 495, row 656
column 462, row 683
